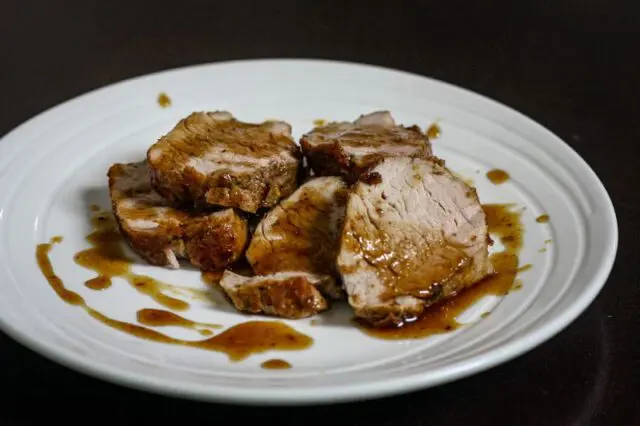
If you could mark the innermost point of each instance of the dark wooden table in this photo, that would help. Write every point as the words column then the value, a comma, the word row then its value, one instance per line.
column 572, row 65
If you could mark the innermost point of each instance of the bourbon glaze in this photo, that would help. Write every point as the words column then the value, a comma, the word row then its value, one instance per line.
column 161, row 318
column 433, row 132
column 108, row 259
column 497, row 176
column 275, row 364
column 164, row 100
column 543, row 218
column 237, row 342
column 504, row 223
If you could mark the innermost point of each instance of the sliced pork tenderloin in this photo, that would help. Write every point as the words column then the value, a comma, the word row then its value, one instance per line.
column 351, row 148
column 285, row 294
column 162, row 234
column 302, row 233
column 212, row 159
column 417, row 236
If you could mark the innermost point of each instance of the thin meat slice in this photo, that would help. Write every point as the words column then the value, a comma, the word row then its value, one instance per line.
column 162, row 234
column 417, row 237
column 302, row 233
column 285, row 294
column 212, row 159
column 350, row 149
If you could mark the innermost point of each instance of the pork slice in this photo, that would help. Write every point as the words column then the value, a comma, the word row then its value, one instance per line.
column 162, row 234
column 351, row 148
column 212, row 159
column 284, row 294
column 302, row 232
column 416, row 237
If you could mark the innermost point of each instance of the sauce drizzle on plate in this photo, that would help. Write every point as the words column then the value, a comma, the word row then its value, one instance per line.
column 497, row 176
column 275, row 364
column 237, row 342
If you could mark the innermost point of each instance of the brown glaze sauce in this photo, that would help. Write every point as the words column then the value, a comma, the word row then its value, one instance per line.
column 101, row 282
column 57, row 239
column 237, row 342
column 108, row 259
column 160, row 318
column 433, row 132
column 497, row 176
column 504, row 223
column 275, row 364
column 211, row 278
column 164, row 100
column 543, row 218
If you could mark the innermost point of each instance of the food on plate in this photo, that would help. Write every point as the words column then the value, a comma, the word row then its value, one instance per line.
column 162, row 234
column 415, row 238
column 383, row 221
column 212, row 159
column 351, row 148
column 302, row 233
column 284, row 294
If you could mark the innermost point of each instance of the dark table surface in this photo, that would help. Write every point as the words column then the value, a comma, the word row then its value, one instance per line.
column 572, row 65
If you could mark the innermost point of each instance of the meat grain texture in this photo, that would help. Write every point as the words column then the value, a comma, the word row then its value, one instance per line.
column 413, row 239
column 286, row 294
column 350, row 149
column 162, row 234
column 212, row 159
column 302, row 233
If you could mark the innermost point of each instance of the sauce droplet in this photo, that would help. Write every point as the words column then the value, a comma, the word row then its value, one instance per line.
column 164, row 100
column 275, row 364
column 544, row 218
column 433, row 131
column 319, row 122
column 101, row 282
column 56, row 240
column 497, row 176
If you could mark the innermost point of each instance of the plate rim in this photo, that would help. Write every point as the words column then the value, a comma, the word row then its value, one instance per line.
column 344, row 393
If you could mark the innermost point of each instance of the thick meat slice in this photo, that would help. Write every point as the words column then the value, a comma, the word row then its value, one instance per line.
column 302, row 233
column 414, row 238
column 212, row 159
column 285, row 294
column 349, row 149
column 161, row 234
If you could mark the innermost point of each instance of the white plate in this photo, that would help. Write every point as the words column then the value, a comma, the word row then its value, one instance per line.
column 53, row 167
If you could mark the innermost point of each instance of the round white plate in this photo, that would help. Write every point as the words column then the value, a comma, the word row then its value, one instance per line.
column 53, row 167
